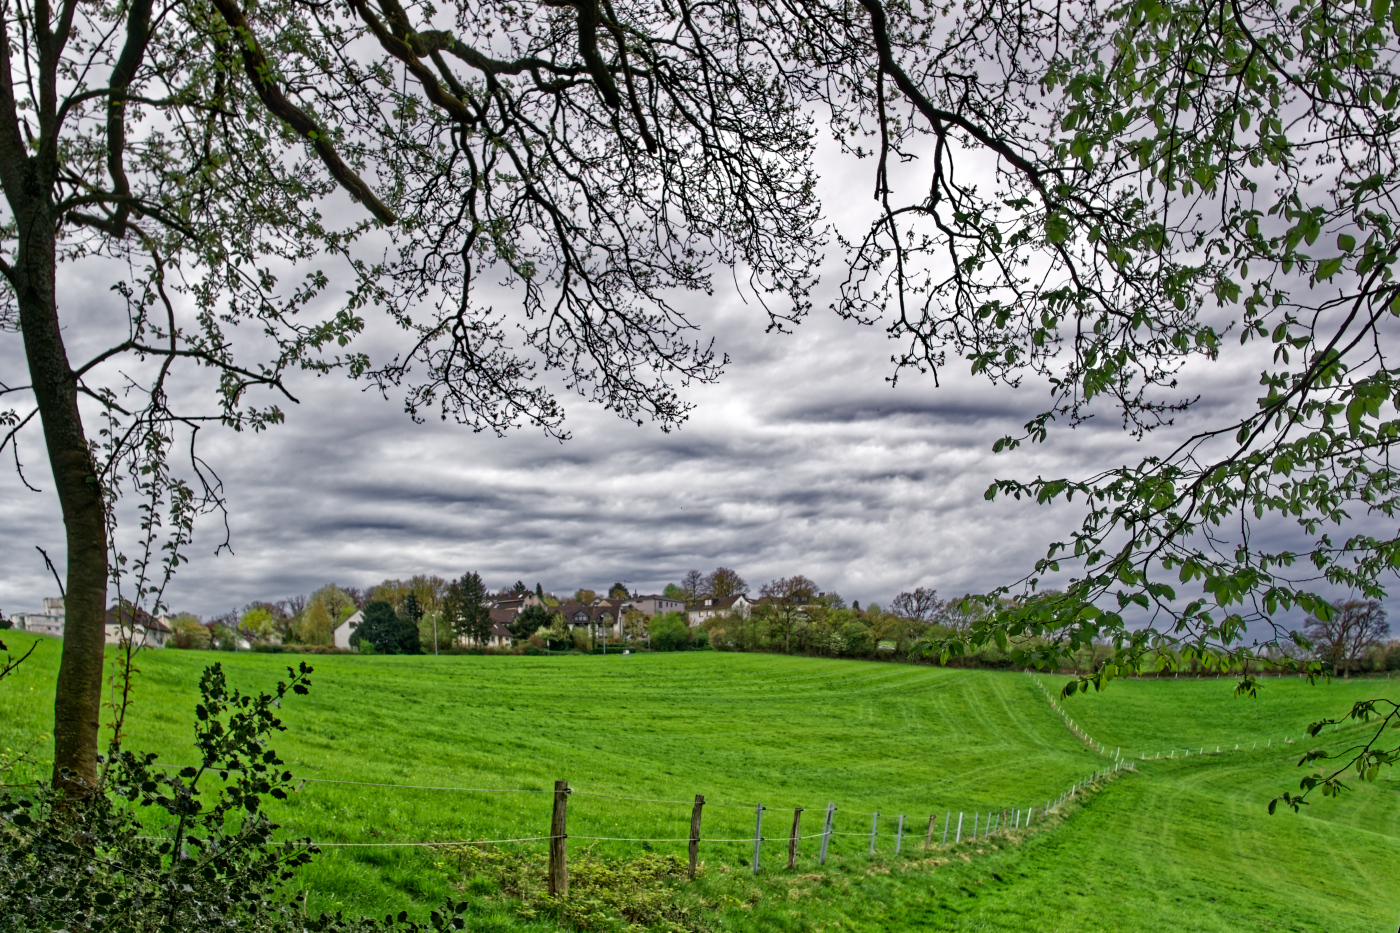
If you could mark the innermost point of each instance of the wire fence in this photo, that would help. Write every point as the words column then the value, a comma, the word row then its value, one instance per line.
column 1174, row 751
column 944, row 827
column 936, row 828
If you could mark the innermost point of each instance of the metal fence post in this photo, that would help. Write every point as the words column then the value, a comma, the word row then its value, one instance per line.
column 826, row 833
column 757, row 835
column 792, row 840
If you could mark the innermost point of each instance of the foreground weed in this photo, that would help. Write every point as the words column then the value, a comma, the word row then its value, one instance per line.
column 605, row 895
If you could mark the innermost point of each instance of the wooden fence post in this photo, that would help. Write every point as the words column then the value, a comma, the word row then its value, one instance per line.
column 826, row 833
column 899, row 834
column 558, row 835
column 792, row 840
column 928, row 839
column 757, row 835
column 695, row 833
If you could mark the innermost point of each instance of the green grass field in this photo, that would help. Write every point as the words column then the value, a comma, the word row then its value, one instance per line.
column 1182, row 843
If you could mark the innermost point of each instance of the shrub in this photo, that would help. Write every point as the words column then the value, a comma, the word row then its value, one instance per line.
column 188, row 633
column 669, row 632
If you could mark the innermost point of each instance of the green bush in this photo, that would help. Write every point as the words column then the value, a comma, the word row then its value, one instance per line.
column 187, row 632
column 669, row 632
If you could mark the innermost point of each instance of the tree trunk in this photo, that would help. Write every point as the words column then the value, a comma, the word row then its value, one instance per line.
column 78, row 691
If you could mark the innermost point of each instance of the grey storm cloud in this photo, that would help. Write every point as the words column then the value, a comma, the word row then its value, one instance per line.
column 802, row 459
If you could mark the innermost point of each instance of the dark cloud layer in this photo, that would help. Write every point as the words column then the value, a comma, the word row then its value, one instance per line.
column 802, row 460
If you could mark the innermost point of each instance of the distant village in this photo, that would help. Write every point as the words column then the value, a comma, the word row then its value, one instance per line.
column 431, row 614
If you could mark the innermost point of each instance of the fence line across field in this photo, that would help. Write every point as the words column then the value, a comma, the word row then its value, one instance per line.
column 994, row 824
column 985, row 825
column 1201, row 750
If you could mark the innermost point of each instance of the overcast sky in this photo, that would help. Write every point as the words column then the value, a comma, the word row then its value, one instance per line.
column 801, row 460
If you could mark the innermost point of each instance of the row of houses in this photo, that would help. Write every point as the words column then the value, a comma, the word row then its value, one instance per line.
column 609, row 615
column 602, row 616
column 599, row 618
column 148, row 630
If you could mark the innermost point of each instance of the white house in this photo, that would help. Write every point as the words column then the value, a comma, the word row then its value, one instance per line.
column 48, row 622
column 711, row 606
column 145, row 630
column 652, row 606
column 150, row 632
column 344, row 630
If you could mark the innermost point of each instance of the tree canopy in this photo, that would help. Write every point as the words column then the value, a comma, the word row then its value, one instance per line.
column 386, row 630
column 467, row 609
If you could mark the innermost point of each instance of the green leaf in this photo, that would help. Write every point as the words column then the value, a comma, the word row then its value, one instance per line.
column 1329, row 267
column 1057, row 228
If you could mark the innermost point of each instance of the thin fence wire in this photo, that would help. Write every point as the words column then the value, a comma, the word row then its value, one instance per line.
column 461, row 790
column 573, row 792
column 1074, row 789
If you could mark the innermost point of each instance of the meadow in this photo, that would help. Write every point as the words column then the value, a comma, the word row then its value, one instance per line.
column 1185, row 842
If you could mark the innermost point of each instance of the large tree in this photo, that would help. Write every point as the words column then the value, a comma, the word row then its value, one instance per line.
column 920, row 604
column 782, row 604
column 692, row 585
column 466, row 608
column 596, row 160
column 722, row 581
column 1342, row 637
column 1171, row 183
column 386, row 630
